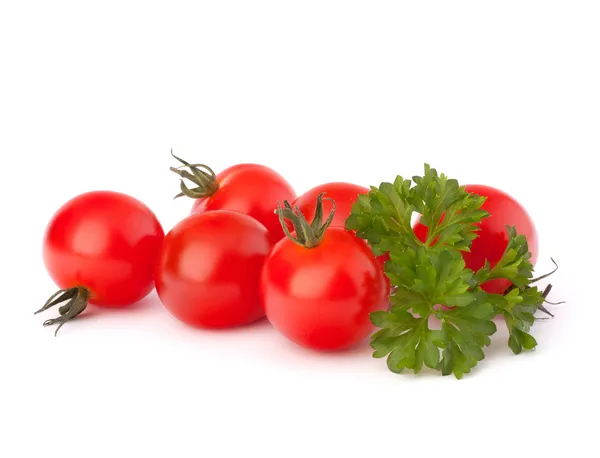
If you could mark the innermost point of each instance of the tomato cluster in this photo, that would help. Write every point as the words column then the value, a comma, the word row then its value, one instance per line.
column 250, row 248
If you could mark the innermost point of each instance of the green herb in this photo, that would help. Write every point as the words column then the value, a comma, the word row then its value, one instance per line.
column 431, row 274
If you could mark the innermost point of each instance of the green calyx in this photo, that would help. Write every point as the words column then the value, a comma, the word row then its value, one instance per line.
column 308, row 235
column 76, row 301
column 201, row 175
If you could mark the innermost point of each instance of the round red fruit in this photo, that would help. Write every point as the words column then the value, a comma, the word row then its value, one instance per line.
column 252, row 189
column 344, row 195
column 319, row 288
column 106, row 242
column 492, row 238
column 208, row 274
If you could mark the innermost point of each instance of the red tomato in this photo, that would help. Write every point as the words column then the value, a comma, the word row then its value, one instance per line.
column 106, row 242
column 344, row 195
column 208, row 274
column 321, row 297
column 492, row 238
column 251, row 189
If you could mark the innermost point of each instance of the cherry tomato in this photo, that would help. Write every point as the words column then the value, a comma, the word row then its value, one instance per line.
column 492, row 238
column 321, row 297
column 107, row 242
column 251, row 189
column 208, row 274
column 344, row 195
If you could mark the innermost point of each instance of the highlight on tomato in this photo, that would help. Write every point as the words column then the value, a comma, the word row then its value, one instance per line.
column 320, row 283
column 492, row 238
column 252, row 189
column 101, row 248
column 208, row 274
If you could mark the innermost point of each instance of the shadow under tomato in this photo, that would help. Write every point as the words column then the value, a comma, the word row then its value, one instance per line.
column 92, row 311
column 289, row 348
column 256, row 326
column 149, row 302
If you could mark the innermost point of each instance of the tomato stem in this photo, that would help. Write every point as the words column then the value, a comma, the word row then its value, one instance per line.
column 307, row 235
column 201, row 175
column 77, row 298
column 545, row 295
column 548, row 274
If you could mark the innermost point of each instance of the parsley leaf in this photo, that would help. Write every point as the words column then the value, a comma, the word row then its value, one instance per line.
column 518, row 307
column 410, row 343
column 383, row 217
column 465, row 331
column 423, row 279
column 521, row 301
column 515, row 264
column 429, row 275
column 407, row 339
column 447, row 209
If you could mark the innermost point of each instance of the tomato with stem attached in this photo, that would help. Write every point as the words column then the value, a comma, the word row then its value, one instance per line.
column 492, row 238
column 252, row 189
column 208, row 274
column 320, row 286
column 100, row 247
column 344, row 195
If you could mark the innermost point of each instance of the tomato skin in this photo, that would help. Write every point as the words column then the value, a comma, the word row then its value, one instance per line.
column 321, row 297
column 492, row 238
column 208, row 274
column 344, row 195
column 251, row 189
column 107, row 242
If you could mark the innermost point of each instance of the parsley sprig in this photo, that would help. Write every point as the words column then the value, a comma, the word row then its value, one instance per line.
column 432, row 282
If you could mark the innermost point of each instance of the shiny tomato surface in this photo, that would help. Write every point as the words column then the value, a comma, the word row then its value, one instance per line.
column 208, row 274
column 251, row 189
column 321, row 297
column 107, row 242
column 344, row 195
column 493, row 238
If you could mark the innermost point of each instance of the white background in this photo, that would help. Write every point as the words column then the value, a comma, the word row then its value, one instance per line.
column 94, row 94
